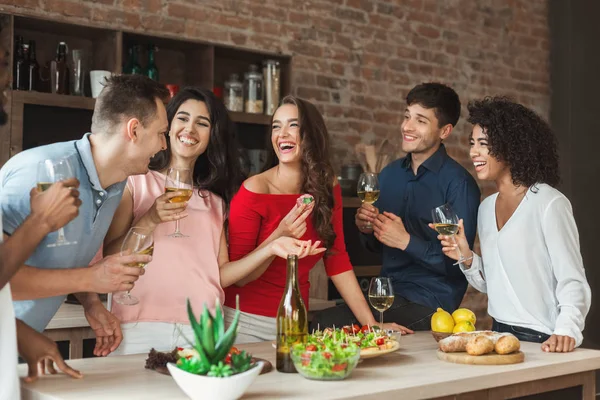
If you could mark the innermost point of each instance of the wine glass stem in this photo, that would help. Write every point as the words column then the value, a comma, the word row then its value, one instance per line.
column 381, row 320
column 177, row 227
column 460, row 256
column 61, row 236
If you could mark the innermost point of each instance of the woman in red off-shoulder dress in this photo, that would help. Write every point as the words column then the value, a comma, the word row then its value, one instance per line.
column 266, row 208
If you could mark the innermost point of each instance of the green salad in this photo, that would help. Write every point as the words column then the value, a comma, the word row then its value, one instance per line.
column 325, row 358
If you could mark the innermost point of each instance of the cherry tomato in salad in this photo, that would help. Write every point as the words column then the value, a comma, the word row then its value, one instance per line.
column 311, row 347
column 380, row 341
column 327, row 355
column 365, row 329
column 355, row 329
column 339, row 367
column 346, row 329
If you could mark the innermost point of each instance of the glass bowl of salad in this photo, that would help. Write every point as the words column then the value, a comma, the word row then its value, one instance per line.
column 325, row 360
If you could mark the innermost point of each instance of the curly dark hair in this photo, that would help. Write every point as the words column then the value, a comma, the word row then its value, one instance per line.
column 317, row 169
column 218, row 169
column 518, row 137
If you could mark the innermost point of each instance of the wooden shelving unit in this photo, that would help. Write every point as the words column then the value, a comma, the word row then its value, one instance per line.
column 38, row 118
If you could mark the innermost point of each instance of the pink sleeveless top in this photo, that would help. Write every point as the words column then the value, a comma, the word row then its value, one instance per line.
column 180, row 267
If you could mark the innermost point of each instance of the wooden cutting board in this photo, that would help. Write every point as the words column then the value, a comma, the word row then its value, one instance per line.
column 486, row 359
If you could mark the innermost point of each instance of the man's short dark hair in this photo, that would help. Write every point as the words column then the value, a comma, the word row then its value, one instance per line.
column 442, row 99
column 125, row 97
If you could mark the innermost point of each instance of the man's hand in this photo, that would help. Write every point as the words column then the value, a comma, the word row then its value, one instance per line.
column 114, row 273
column 367, row 213
column 106, row 327
column 559, row 344
column 57, row 206
column 389, row 230
column 40, row 353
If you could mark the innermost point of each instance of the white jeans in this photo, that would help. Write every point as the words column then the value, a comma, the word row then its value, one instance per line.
column 252, row 328
column 140, row 337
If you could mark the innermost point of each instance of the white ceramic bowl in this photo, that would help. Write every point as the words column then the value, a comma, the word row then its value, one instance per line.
column 207, row 387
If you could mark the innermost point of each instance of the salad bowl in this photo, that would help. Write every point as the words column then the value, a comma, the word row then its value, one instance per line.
column 332, row 361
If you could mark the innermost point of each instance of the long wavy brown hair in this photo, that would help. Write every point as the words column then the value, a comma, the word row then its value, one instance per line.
column 316, row 166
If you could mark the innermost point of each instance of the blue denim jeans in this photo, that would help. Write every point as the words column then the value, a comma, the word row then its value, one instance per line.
column 523, row 334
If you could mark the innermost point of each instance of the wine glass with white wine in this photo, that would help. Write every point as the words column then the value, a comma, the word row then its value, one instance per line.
column 445, row 222
column 138, row 241
column 368, row 190
column 48, row 173
column 179, row 180
column 381, row 295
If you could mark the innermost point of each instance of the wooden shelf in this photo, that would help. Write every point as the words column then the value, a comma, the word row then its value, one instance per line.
column 351, row 202
column 87, row 103
column 245, row 118
column 54, row 100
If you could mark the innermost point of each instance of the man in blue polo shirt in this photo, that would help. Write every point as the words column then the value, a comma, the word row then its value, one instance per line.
column 128, row 127
column 411, row 187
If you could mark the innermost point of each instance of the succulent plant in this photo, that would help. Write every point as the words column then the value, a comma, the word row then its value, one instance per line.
column 213, row 344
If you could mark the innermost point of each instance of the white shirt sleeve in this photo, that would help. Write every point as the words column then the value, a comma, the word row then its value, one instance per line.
column 573, row 292
column 475, row 275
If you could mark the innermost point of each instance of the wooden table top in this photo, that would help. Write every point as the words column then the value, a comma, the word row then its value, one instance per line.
column 413, row 372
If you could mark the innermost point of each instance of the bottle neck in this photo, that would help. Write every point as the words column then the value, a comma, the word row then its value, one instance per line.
column 32, row 52
column 292, row 274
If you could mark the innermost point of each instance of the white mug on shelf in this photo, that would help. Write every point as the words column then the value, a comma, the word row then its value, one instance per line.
column 98, row 81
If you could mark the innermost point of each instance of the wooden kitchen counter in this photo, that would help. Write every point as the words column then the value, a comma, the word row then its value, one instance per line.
column 413, row 372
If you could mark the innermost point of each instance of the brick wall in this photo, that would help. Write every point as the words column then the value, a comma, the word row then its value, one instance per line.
column 357, row 59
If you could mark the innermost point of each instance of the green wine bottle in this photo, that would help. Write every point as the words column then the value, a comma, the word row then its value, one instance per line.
column 136, row 68
column 292, row 318
column 152, row 69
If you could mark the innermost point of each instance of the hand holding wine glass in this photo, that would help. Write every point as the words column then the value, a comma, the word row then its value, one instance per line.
column 381, row 295
column 179, row 180
column 48, row 173
column 446, row 223
column 368, row 191
column 137, row 241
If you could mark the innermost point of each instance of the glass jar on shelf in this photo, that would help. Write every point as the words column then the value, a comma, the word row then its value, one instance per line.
column 271, row 73
column 253, row 91
column 234, row 94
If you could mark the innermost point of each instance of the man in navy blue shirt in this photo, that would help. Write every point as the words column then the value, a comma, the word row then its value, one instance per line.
column 411, row 187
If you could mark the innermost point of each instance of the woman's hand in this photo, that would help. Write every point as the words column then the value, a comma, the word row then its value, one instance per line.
column 449, row 246
column 294, row 223
column 283, row 246
column 164, row 211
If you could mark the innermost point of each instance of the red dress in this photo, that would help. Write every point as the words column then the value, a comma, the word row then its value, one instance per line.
column 252, row 218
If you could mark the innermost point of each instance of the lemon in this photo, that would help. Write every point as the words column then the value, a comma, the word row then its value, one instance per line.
column 464, row 314
column 441, row 321
column 463, row 326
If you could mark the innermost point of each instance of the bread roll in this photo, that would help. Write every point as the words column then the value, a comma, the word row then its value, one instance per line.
column 507, row 344
column 479, row 345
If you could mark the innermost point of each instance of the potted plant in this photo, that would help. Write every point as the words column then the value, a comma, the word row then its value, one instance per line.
column 209, row 370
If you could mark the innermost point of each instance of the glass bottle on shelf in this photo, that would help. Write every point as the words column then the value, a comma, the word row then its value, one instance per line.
column 59, row 71
column 234, row 94
column 253, row 91
column 19, row 64
column 129, row 65
column 136, row 68
column 23, row 67
column 33, row 68
column 152, row 69
column 271, row 74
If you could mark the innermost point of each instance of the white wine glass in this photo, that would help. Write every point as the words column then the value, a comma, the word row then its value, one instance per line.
column 48, row 173
column 137, row 241
column 381, row 295
column 179, row 180
column 445, row 222
column 368, row 190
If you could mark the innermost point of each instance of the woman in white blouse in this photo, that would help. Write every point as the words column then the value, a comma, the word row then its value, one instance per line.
column 530, row 264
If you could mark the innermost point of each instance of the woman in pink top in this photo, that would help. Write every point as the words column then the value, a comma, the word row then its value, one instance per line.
column 201, row 138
